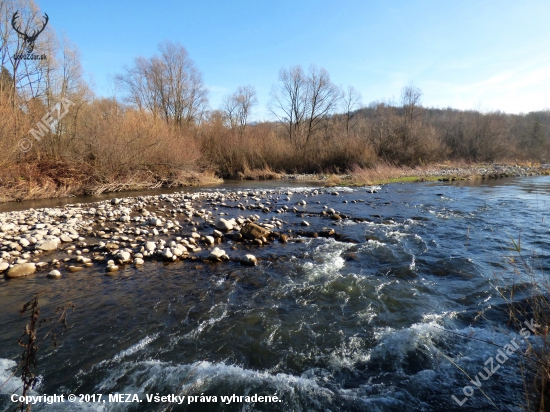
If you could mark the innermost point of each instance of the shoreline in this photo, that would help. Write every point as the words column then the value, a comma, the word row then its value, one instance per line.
column 129, row 230
column 41, row 190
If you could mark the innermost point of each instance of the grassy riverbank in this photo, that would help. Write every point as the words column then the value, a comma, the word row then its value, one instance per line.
column 383, row 174
column 59, row 179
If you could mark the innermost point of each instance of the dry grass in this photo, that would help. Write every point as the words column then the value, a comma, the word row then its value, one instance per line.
column 61, row 179
column 533, row 306
column 381, row 173
column 258, row 174
column 40, row 180
column 334, row 180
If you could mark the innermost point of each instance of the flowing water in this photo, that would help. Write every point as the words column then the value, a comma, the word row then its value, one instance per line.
column 326, row 325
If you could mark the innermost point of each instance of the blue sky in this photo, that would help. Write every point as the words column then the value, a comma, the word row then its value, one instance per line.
column 487, row 55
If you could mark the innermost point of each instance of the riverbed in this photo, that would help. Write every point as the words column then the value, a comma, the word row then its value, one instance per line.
column 352, row 321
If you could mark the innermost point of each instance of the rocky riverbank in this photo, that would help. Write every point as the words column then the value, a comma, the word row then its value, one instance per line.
column 484, row 171
column 181, row 226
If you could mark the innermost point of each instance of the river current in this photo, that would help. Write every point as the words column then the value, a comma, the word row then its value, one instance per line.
column 356, row 324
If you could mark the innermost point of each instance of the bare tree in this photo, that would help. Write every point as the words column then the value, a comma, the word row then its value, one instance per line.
column 410, row 99
column 238, row 106
column 168, row 85
column 301, row 102
column 351, row 102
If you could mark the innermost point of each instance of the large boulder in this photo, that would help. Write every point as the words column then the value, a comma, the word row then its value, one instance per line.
column 253, row 231
column 20, row 270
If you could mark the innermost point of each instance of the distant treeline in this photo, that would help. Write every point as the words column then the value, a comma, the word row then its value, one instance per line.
column 160, row 123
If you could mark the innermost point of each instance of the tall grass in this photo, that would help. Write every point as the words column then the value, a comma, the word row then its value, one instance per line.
column 529, row 298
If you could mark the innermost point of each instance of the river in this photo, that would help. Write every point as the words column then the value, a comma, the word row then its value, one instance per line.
column 322, row 324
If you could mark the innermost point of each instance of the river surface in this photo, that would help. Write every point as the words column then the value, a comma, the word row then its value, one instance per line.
column 326, row 325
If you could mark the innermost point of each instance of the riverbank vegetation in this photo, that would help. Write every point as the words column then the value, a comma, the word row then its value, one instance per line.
column 59, row 138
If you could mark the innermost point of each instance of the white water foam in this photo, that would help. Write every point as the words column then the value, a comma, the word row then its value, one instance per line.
column 327, row 259
column 12, row 385
column 216, row 314
column 135, row 348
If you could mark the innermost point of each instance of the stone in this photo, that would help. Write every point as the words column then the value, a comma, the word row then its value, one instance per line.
column 326, row 232
column 47, row 245
column 74, row 269
column 223, row 224
column 138, row 261
column 304, row 223
column 253, row 231
column 155, row 221
column 24, row 242
column 65, row 238
column 7, row 227
column 150, row 246
column 54, row 274
column 111, row 268
column 209, row 240
column 249, row 260
column 124, row 256
column 23, row 269
column 111, row 245
column 167, row 254
column 217, row 254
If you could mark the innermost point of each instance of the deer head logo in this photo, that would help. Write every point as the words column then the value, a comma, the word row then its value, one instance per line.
column 28, row 40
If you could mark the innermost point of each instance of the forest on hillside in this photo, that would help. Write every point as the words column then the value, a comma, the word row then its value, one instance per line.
column 56, row 133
